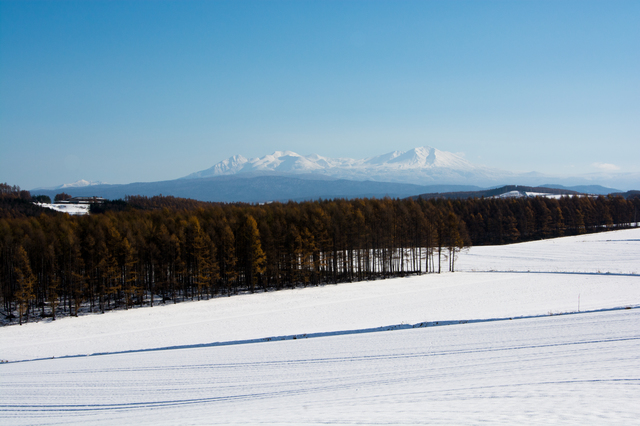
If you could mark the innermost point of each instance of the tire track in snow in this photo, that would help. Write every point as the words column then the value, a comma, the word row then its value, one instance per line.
column 609, row 274
column 424, row 324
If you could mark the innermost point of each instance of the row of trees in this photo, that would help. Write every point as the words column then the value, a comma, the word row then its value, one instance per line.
column 152, row 250
column 500, row 221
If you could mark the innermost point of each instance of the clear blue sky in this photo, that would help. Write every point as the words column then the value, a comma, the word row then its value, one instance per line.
column 145, row 91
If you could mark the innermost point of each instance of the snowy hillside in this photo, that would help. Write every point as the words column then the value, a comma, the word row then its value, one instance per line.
column 541, row 332
column 72, row 209
column 423, row 165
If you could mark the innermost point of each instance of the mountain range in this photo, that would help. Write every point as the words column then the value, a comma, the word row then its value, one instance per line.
column 420, row 166
column 286, row 175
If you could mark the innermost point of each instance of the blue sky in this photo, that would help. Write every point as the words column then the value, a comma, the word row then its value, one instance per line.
column 144, row 91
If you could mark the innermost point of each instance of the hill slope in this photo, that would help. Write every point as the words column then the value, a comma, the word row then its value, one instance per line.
column 513, row 350
column 610, row 261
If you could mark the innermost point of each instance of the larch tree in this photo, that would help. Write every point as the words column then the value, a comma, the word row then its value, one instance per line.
column 227, row 257
column 453, row 238
column 128, row 273
column 25, row 281
column 255, row 258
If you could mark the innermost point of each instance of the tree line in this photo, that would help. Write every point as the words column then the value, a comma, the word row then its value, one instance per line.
column 501, row 221
column 145, row 251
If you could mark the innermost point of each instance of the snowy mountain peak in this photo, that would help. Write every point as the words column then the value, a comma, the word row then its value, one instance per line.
column 284, row 161
column 230, row 166
column 81, row 183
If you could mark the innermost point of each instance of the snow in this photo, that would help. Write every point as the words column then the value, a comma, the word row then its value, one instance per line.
column 519, row 194
column 81, row 183
column 544, row 194
column 605, row 253
column 501, row 342
column 510, row 194
column 72, row 209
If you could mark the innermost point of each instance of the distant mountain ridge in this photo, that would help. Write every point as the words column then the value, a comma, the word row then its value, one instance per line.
column 253, row 188
column 507, row 190
column 256, row 187
column 586, row 189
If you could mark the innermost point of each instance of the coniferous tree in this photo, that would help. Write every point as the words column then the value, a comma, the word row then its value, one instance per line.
column 25, row 281
column 227, row 256
column 254, row 257
column 452, row 238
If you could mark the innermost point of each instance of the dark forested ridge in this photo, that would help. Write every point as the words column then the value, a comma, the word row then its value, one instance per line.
column 16, row 203
column 629, row 195
column 495, row 192
column 145, row 251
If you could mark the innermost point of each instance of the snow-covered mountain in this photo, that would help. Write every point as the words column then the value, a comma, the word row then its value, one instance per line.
column 422, row 165
column 77, row 184
column 81, row 183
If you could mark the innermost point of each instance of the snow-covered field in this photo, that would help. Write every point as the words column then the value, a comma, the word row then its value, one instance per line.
column 606, row 252
column 486, row 344
column 72, row 209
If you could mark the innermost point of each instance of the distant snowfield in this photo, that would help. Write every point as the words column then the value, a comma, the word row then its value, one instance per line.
column 235, row 360
column 518, row 194
column 72, row 209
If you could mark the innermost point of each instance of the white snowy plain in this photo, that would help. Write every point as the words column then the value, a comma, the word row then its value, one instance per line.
column 531, row 333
